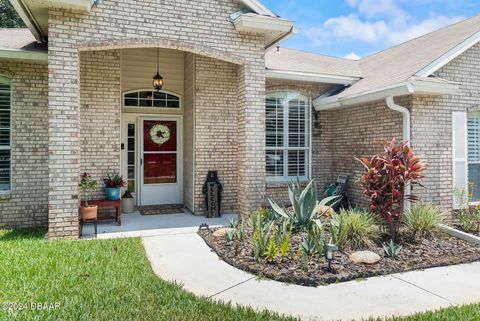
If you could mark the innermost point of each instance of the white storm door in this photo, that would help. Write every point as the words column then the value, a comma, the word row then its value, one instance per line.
column 160, row 161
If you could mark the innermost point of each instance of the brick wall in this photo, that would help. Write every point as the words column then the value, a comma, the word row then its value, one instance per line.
column 359, row 131
column 216, row 129
column 432, row 125
column 26, row 206
column 100, row 114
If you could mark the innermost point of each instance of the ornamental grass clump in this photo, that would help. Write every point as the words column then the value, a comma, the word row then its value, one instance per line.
column 423, row 220
column 385, row 178
column 355, row 229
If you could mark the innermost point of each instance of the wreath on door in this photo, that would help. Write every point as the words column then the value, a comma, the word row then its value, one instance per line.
column 159, row 134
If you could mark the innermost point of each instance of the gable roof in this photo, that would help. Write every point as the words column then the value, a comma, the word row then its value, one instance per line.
column 258, row 7
column 419, row 57
column 19, row 43
column 295, row 60
column 406, row 60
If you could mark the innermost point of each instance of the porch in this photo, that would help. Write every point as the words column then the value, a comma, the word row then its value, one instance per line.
column 162, row 141
column 138, row 225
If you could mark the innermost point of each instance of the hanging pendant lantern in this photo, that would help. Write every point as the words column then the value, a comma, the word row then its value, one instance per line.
column 157, row 79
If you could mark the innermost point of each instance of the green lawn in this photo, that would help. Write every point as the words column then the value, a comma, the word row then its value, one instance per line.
column 112, row 280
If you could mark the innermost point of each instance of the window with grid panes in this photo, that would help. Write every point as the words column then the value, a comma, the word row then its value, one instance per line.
column 287, row 136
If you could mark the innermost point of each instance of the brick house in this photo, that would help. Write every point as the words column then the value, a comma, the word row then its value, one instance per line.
column 76, row 95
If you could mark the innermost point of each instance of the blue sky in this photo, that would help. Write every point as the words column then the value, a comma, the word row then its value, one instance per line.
column 356, row 28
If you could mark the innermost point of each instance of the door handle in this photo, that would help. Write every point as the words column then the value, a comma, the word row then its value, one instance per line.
column 141, row 161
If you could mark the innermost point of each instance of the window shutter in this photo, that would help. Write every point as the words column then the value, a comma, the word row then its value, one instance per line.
column 459, row 147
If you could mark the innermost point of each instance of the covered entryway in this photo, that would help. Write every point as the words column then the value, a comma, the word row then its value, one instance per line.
column 164, row 141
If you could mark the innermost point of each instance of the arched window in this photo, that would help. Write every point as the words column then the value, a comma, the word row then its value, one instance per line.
column 5, row 134
column 146, row 98
column 287, row 136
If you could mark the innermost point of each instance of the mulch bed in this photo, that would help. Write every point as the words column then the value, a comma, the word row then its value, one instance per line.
column 440, row 250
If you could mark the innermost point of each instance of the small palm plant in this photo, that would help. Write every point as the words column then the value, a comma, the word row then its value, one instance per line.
column 88, row 185
column 306, row 207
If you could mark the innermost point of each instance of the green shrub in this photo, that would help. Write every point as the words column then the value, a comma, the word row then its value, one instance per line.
column 423, row 219
column 354, row 229
column 468, row 218
column 271, row 250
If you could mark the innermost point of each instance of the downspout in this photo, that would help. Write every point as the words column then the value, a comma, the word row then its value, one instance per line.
column 406, row 134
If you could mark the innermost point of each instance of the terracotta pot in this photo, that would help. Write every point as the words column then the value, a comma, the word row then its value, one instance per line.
column 89, row 213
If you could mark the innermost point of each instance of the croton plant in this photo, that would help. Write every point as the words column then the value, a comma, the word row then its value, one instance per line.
column 386, row 175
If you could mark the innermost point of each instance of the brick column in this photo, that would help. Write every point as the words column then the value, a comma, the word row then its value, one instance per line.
column 63, row 136
column 251, row 136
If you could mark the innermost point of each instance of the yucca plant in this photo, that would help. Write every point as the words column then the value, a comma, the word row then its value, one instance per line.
column 354, row 228
column 261, row 236
column 230, row 235
column 308, row 247
column 423, row 219
column 385, row 178
column 306, row 207
column 316, row 233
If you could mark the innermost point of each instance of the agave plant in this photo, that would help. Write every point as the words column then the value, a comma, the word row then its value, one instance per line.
column 305, row 206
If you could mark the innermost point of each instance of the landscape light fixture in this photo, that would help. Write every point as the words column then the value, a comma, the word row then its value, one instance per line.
column 330, row 250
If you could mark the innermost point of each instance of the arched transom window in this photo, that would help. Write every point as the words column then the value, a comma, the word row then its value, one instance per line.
column 150, row 99
column 287, row 136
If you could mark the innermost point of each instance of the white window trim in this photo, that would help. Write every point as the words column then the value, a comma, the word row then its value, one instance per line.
column 180, row 100
column 6, row 80
column 285, row 178
column 470, row 162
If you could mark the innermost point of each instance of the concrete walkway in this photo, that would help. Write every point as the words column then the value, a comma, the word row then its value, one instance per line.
column 186, row 259
column 137, row 225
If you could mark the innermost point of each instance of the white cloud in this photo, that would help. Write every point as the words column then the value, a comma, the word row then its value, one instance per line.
column 382, row 31
column 352, row 56
column 352, row 27
column 425, row 26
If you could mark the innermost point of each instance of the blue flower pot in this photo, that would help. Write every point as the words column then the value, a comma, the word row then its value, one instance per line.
column 112, row 193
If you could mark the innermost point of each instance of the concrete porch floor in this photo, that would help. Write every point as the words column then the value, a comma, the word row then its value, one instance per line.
column 137, row 225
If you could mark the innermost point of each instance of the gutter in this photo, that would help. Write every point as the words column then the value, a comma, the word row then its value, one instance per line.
column 23, row 55
column 412, row 86
column 282, row 38
column 406, row 136
column 308, row 76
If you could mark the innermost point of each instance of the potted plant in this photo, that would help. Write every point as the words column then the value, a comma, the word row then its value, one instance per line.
column 113, row 184
column 128, row 202
column 88, row 185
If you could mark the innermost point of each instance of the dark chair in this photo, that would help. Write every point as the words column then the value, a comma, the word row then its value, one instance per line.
column 339, row 188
